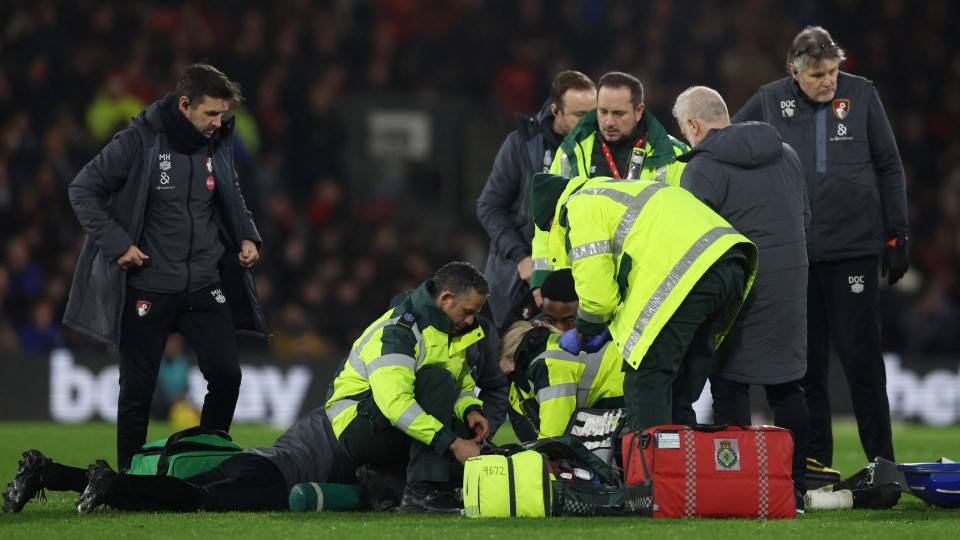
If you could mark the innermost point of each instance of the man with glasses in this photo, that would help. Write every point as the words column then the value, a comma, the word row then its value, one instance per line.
column 857, row 190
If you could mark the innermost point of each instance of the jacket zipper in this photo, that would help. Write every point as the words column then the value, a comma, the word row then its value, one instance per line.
column 190, row 216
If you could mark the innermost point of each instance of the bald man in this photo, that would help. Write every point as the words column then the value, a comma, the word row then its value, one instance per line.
column 745, row 173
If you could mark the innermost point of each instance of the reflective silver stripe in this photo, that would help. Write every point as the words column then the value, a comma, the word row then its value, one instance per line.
column 564, row 165
column 614, row 194
column 540, row 263
column 600, row 247
column 557, row 391
column 591, row 368
column 373, row 331
column 629, row 218
column 662, row 174
column 420, row 346
column 591, row 317
column 357, row 363
column 390, row 360
column 558, row 354
column 406, row 419
column 339, row 406
column 670, row 282
column 463, row 395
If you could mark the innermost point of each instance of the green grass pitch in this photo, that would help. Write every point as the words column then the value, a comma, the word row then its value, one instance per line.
column 81, row 444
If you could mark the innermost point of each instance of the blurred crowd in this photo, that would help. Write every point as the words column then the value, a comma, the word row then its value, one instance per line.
column 73, row 73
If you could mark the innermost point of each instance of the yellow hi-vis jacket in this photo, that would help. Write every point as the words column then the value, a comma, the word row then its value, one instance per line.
column 563, row 382
column 574, row 158
column 384, row 363
column 636, row 250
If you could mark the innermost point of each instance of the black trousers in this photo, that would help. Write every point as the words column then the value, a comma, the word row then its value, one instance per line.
column 731, row 405
column 370, row 438
column 843, row 308
column 245, row 482
column 675, row 369
column 148, row 319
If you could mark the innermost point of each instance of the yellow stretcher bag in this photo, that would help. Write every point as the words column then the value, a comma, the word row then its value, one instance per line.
column 517, row 485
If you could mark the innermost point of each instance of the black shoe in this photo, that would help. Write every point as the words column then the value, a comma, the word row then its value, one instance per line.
column 376, row 489
column 430, row 498
column 28, row 482
column 863, row 479
column 877, row 497
column 798, row 501
column 99, row 478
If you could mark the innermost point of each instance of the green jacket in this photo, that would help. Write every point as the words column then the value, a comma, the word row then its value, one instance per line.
column 384, row 363
column 574, row 158
column 563, row 382
column 637, row 249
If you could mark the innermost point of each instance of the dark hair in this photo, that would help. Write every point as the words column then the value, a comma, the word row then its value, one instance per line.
column 618, row 79
column 460, row 278
column 568, row 80
column 812, row 43
column 558, row 286
column 200, row 80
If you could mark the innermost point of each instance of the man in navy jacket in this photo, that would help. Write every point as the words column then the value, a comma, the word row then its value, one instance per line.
column 858, row 203
column 169, row 248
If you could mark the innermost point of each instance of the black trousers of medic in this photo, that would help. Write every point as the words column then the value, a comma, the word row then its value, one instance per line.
column 203, row 319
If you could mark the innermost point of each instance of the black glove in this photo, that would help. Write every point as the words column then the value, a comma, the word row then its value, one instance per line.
column 896, row 261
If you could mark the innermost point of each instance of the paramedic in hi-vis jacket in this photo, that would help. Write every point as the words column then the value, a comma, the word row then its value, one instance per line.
column 659, row 274
column 559, row 381
column 405, row 385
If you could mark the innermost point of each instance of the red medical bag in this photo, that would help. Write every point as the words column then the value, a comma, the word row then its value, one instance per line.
column 714, row 471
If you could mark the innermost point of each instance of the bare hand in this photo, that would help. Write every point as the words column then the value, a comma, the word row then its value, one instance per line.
column 525, row 269
column 463, row 449
column 132, row 258
column 249, row 254
column 478, row 423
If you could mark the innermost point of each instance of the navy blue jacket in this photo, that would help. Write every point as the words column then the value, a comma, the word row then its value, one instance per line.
column 855, row 180
column 504, row 209
column 110, row 197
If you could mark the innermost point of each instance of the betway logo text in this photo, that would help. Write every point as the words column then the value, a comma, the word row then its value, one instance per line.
column 77, row 394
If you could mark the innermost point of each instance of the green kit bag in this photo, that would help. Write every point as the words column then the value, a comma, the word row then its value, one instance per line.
column 517, row 485
column 185, row 453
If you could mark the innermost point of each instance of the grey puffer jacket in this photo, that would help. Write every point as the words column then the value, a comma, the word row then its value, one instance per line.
column 746, row 174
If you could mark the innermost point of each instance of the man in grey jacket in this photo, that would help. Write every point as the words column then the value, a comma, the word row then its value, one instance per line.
column 858, row 201
column 745, row 173
column 504, row 207
column 169, row 248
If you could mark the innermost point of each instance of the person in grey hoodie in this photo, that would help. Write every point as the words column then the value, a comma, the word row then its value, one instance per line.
column 169, row 247
column 751, row 178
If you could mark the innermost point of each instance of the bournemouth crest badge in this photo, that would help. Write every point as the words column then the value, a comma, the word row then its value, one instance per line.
column 728, row 454
column 143, row 307
column 841, row 108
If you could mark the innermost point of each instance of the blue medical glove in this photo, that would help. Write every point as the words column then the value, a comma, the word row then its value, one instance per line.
column 594, row 343
column 570, row 342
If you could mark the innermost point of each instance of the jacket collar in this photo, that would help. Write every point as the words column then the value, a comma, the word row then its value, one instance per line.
column 657, row 137
column 427, row 310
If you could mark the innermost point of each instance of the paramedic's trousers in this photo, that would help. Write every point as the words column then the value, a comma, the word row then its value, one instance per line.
column 672, row 374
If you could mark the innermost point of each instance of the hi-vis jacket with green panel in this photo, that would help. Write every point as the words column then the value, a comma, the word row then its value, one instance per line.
column 637, row 248
column 563, row 382
column 574, row 158
column 384, row 363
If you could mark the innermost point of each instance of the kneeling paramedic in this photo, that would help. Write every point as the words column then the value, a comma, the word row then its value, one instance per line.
column 658, row 273
column 404, row 389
